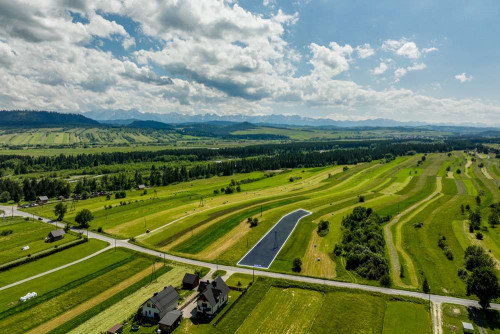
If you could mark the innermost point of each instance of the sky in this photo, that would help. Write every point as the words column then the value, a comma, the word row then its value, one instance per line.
column 432, row 61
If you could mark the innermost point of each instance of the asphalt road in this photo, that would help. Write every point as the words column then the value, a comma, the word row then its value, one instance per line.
column 388, row 291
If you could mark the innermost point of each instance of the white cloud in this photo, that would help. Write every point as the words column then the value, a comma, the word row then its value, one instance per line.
column 429, row 50
column 402, row 47
column 401, row 72
column 364, row 51
column 380, row 69
column 463, row 78
column 214, row 56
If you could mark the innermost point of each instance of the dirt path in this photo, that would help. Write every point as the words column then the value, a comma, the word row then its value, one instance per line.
column 485, row 172
column 393, row 253
column 450, row 175
column 437, row 318
column 467, row 165
column 57, row 321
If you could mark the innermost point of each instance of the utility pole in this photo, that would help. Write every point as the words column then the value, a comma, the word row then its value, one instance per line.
column 261, row 210
column 253, row 273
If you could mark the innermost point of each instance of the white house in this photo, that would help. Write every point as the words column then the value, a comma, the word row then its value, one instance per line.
column 160, row 304
column 213, row 296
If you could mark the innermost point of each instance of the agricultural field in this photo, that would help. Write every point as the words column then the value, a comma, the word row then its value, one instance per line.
column 16, row 233
column 272, row 306
column 188, row 219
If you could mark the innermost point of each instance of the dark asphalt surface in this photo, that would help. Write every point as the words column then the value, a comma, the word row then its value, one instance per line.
column 264, row 252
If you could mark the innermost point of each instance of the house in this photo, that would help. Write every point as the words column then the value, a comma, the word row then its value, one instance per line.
column 467, row 327
column 55, row 235
column 42, row 199
column 170, row 321
column 118, row 328
column 213, row 296
column 190, row 281
column 141, row 187
column 160, row 304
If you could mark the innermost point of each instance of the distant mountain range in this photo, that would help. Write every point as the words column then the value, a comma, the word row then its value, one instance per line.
column 28, row 118
column 124, row 117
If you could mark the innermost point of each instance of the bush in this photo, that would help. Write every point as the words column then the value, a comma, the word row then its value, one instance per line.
column 297, row 265
column 337, row 250
column 361, row 199
column 462, row 273
column 6, row 233
column 385, row 280
column 5, row 197
column 99, row 229
column 479, row 236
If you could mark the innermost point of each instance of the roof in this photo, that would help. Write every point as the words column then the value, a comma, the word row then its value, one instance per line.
column 467, row 325
column 57, row 233
column 212, row 292
column 115, row 328
column 43, row 198
column 189, row 278
column 165, row 298
column 171, row 318
column 141, row 186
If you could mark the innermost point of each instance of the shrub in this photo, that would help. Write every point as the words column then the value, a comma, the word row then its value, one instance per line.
column 297, row 265
column 462, row 273
column 99, row 229
column 479, row 236
column 385, row 280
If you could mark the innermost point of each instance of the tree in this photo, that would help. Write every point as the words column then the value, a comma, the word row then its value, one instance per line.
column 4, row 197
column 425, row 286
column 476, row 257
column 84, row 217
column 402, row 271
column 493, row 219
column 254, row 222
column 297, row 265
column 385, row 280
column 483, row 283
column 60, row 210
column 478, row 200
column 462, row 209
column 475, row 219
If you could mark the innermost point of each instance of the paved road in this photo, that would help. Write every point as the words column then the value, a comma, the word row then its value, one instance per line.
column 212, row 266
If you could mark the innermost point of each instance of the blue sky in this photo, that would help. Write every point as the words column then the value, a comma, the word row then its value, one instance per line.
column 421, row 60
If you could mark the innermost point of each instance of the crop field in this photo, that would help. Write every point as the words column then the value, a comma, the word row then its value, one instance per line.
column 188, row 219
column 25, row 233
column 270, row 306
column 88, row 282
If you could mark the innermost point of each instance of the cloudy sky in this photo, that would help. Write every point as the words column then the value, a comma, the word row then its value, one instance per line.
column 435, row 61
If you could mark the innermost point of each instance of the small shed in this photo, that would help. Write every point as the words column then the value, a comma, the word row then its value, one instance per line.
column 467, row 327
column 43, row 199
column 170, row 321
column 118, row 328
column 141, row 187
column 55, row 235
column 190, row 281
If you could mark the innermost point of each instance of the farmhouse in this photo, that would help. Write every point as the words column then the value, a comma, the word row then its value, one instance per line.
column 160, row 304
column 55, row 235
column 190, row 281
column 42, row 199
column 213, row 296
column 170, row 321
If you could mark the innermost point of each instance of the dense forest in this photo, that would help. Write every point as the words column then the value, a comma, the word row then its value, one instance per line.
column 28, row 118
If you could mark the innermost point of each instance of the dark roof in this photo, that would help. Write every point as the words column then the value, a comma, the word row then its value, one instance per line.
column 165, row 298
column 189, row 278
column 57, row 233
column 115, row 328
column 170, row 318
column 214, row 291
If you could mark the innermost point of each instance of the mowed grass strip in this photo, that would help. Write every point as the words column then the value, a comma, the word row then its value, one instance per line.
column 344, row 312
column 199, row 242
column 283, row 311
column 31, row 318
column 50, row 262
column 58, row 282
column 407, row 318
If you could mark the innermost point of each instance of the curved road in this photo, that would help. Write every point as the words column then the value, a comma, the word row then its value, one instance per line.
column 387, row 291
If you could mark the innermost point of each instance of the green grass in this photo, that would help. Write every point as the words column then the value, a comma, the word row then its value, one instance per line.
column 453, row 315
column 26, row 233
column 199, row 242
column 50, row 262
column 58, row 282
column 471, row 190
column 407, row 318
column 218, row 273
column 244, row 280
column 283, row 311
column 42, row 312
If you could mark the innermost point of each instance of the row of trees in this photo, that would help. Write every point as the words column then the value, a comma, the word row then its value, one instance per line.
column 29, row 189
